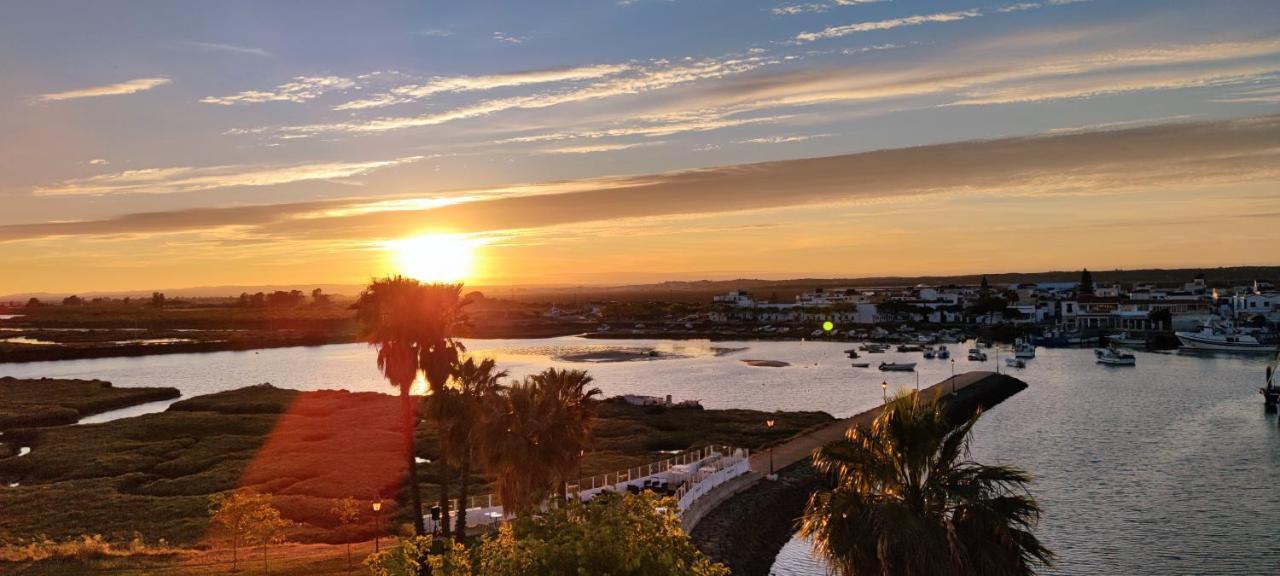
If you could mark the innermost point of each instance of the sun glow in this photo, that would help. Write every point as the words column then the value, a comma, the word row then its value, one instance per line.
column 434, row 257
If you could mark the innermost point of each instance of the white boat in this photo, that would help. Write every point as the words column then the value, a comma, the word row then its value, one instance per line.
column 943, row 353
column 1115, row 357
column 976, row 355
column 1015, row 362
column 1222, row 338
column 929, row 354
column 1024, row 349
column 897, row 366
column 1127, row 340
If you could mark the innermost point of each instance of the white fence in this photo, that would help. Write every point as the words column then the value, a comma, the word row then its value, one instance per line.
column 693, row 474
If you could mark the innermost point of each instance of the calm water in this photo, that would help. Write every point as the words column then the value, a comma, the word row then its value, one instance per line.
column 1167, row 468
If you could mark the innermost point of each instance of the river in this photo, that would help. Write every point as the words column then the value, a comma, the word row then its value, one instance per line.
column 1168, row 467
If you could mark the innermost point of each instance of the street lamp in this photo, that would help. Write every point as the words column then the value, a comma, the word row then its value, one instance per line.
column 884, row 391
column 377, row 510
column 953, row 376
column 769, row 425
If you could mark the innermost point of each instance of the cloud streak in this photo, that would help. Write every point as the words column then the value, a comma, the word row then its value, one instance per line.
column 443, row 84
column 194, row 179
column 1105, row 162
column 298, row 90
column 839, row 31
column 118, row 89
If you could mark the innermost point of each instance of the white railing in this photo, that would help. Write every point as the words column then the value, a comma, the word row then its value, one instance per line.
column 695, row 473
column 734, row 466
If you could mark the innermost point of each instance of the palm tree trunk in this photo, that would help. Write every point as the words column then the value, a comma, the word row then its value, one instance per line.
column 564, row 492
column 460, row 530
column 409, row 424
column 445, row 529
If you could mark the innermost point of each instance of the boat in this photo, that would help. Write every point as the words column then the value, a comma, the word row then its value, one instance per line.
column 853, row 354
column 929, row 354
column 1222, row 338
column 1054, row 338
column 1023, row 349
column 943, row 353
column 861, row 365
column 976, row 355
column 1127, row 340
column 897, row 366
column 983, row 343
column 909, row 348
column 1015, row 362
column 1112, row 356
column 1271, row 392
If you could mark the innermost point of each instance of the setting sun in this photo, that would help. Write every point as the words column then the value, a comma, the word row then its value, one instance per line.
column 433, row 258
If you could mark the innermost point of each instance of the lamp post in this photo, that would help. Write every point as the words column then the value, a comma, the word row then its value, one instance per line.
column 377, row 532
column 884, row 391
column 953, row 376
column 768, row 424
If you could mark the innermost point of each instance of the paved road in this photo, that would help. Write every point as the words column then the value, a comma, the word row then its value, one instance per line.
column 802, row 447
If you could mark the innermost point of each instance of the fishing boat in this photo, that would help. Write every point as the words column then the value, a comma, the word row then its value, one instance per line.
column 1015, row 362
column 1060, row 339
column 1223, row 338
column 909, row 348
column 861, row 364
column 943, row 353
column 897, row 366
column 929, row 354
column 976, row 355
column 1112, row 356
column 1023, row 349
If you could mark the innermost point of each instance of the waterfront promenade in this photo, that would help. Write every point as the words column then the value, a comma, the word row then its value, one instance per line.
column 747, row 522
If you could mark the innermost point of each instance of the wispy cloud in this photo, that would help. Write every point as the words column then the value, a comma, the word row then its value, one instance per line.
column 793, row 9
column 657, row 75
column 1033, row 5
column 653, row 126
column 300, row 89
column 596, row 148
column 441, row 84
column 120, row 88
column 193, row 179
column 783, row 139
column 436, row 33
column 838, row 31
column 1269, row 95
column 1116, row 161
column 505, row 38
column 98, row 162
column 228, row 48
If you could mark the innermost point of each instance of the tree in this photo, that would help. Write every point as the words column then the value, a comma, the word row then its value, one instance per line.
column 157, row 299
column 412, row 325
column 515, row 446
column 33, row 302
column 72, row 300
column 907, row 501
column 438, row 353
column 347, row 512
column 984, row 289
column 1086, row 282
column 463, row 408
column 247, row 517
column 572, row 413
column 390, row 316
column 620, row 535
column 319, row 298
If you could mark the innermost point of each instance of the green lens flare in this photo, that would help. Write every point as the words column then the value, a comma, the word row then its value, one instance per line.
column 828, row 326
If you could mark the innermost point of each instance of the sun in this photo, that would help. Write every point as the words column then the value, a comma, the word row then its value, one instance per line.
column 434, row 257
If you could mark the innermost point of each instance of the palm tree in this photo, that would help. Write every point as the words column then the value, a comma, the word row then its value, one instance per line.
column 573, row 412
column 908, row 501
column 515, row 445
column 391, row 317
column 477, row 385
column 438, row 353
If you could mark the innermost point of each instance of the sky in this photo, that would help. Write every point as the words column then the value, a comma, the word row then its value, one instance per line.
column 175, row 144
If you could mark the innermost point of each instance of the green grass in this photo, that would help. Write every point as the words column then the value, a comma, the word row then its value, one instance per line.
column 50, row 402
column 152, row 475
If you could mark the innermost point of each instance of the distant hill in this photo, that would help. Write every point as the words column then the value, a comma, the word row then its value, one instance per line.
column 700, row 290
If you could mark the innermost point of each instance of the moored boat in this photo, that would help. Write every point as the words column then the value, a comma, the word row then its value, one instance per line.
column 897, row 366
column 976, row 355
column 1024, row 349
column 1223, row 338
column 1115, row 357
column 1015, row 362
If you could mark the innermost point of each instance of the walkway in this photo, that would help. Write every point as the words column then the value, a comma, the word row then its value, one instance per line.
column 748, row 523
